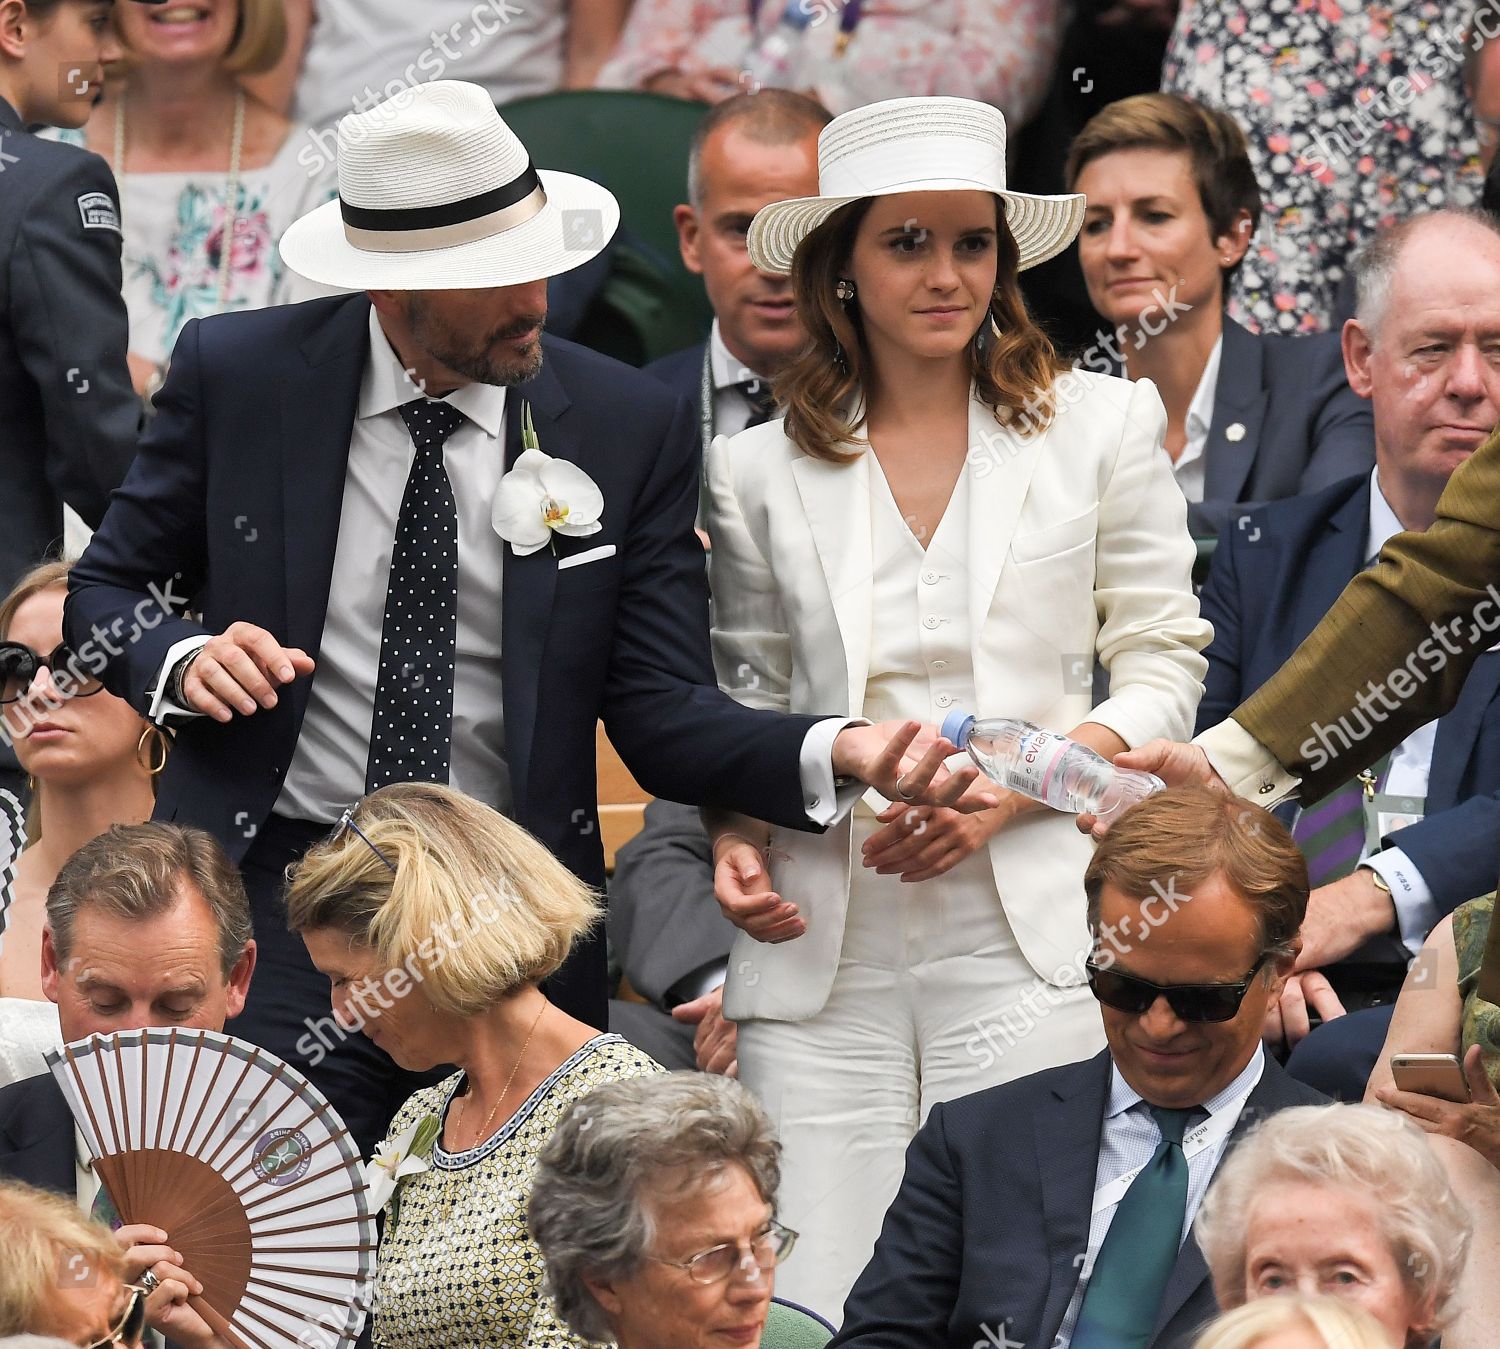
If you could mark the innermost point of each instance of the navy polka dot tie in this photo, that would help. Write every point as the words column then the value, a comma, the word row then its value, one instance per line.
column 411, row 737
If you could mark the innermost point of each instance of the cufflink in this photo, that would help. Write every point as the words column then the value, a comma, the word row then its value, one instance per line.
column 1267, row 787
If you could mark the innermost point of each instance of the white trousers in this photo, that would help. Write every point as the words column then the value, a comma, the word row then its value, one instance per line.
column 932, row 1000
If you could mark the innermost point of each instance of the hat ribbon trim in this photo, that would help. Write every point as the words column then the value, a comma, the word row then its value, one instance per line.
column 418, row 228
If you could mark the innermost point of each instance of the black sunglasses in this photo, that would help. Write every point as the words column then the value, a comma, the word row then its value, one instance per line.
column 19, row 665
column 1190, row 1002
column 131, row 1325
column 346, row 821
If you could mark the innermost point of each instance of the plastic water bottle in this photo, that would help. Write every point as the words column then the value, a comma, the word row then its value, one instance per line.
column 776, row 61
column 1049, row 767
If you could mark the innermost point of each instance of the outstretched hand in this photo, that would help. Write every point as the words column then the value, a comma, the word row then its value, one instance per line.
column 1175, row 763
column 903, row 761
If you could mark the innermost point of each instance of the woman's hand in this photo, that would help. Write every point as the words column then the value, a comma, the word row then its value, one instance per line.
column 920, row 842
column 167, row 1307
column 743, row 888
column 1476, row 1122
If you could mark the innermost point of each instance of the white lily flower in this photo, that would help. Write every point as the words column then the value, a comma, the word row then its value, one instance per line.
column 395, row 1160
column 541, row 496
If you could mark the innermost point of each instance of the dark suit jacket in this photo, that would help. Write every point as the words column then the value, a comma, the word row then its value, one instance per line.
column 992, row 1218
column 682, row 372
column 36, row 1135
column 1274, row 576
column 68, row 415
column 1302, row 426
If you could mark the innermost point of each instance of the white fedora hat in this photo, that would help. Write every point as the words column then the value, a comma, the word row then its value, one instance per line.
column 913, row 145
column 437, row 193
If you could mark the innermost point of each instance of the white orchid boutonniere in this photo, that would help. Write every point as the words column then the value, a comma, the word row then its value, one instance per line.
column 396, row 1161
column 542, row 497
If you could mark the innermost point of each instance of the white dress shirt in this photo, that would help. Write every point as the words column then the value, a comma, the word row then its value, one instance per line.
column 1129, row 1139
column 1410, row 768
column 327, row 771
column 1189, row 467
column 732, row 410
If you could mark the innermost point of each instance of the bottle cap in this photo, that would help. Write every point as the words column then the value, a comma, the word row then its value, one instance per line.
column 956, row 727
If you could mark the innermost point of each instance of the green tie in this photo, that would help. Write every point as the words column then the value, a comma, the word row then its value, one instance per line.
column 1131, row 1270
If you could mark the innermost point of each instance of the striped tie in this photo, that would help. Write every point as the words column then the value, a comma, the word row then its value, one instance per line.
column 1331, row 832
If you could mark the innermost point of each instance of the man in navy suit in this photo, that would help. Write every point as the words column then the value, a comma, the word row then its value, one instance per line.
column 1057, row 1209
column 748, row 151
column 340, row 486
column 1280, row 568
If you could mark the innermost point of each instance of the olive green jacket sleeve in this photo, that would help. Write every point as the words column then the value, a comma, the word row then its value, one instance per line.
column 1393, row 652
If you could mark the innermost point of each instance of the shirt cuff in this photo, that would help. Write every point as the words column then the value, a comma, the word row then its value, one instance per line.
column 699, row 983
column 825, row 802
column 1416, row 911
column 1248, row 768
column 163, row 707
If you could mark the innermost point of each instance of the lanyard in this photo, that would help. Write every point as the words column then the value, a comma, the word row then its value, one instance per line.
column 800, row 13
column 1213, row 1131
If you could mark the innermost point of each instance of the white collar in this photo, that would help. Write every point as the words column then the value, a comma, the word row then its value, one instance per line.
column 1384, row 525
column 1200, row 413
column 725, row 368
column 386, row 386
column 1122, row 1096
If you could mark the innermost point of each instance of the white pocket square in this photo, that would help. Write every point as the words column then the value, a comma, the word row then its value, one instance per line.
column 583, row 559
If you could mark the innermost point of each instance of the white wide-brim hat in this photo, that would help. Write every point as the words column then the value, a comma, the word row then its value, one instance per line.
column 913, row 145
column 437, row 193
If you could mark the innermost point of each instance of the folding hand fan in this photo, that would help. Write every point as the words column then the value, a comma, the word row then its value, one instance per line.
column 244, row 1165
column 12, row 840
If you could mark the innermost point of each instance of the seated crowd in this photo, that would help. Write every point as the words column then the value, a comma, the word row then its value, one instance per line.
column 853, row 1044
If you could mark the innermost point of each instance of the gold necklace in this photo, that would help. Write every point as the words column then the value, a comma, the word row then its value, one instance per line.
column 484, row 1133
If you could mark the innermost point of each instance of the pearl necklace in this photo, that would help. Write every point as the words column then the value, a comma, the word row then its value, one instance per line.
column 232, row 189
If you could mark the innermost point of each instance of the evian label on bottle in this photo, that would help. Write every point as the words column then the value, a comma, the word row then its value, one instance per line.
column 1030, row 771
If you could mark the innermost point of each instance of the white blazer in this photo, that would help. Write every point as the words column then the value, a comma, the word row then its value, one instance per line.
column 1079, row 546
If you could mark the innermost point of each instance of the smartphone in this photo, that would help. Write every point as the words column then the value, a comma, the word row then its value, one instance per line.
column 1439, row 1075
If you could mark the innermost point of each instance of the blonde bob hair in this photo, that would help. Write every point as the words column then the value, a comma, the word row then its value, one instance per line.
column 259, row 40
column 1013, row 367
column 1338, row 1323
column 1368, row 1150
column 39, row 1232
column 475, row 909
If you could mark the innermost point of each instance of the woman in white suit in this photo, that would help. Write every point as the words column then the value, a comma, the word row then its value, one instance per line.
column 947, row 517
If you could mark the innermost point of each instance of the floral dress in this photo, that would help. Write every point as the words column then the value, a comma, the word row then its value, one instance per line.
column 458, row 1267
column 1356, row 116
column 1481, row 1019
column 175, row 224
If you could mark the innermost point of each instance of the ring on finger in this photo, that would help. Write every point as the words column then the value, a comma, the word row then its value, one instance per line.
column 149, row 1282
column 902, row 792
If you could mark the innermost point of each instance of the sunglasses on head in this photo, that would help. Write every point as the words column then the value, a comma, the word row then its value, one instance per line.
column 346, row 822
column 131, row 1325
column 19, row 665
column 1189, row 1002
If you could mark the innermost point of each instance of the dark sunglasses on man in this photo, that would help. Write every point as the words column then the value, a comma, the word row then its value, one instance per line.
column 19, row 665
column 128, row 1330
column 1189, row 1002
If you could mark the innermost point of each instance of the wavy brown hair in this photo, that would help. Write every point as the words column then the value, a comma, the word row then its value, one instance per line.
column 1013, row 372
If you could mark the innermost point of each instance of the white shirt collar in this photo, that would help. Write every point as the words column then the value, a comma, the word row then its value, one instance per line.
column 1384, row 525
column 1200, row 413
column 725, row 368
column 386, row 386
column 1122, row 1096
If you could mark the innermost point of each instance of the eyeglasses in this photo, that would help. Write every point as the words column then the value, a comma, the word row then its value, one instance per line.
column 1190, row 1002
column 346, row 821
column 719, row 1262
column 19, row 665
column 131, row 1324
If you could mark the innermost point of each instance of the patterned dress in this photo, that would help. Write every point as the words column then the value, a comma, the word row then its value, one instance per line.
column 458, row 1267
column 1481, row 1019
column 1356, row 116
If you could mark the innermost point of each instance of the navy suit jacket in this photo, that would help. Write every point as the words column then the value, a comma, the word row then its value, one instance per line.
column 1273, row 577
column 991, row 1222
column 36, row 1135
column 1301, row 426
column 234, row 499
column 682, row 371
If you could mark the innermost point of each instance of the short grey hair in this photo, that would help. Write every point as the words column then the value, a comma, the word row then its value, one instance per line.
column 768, row 117
column 138, row 871
column 1374, row 265
column 1363, row 1148
column 617, row 1150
